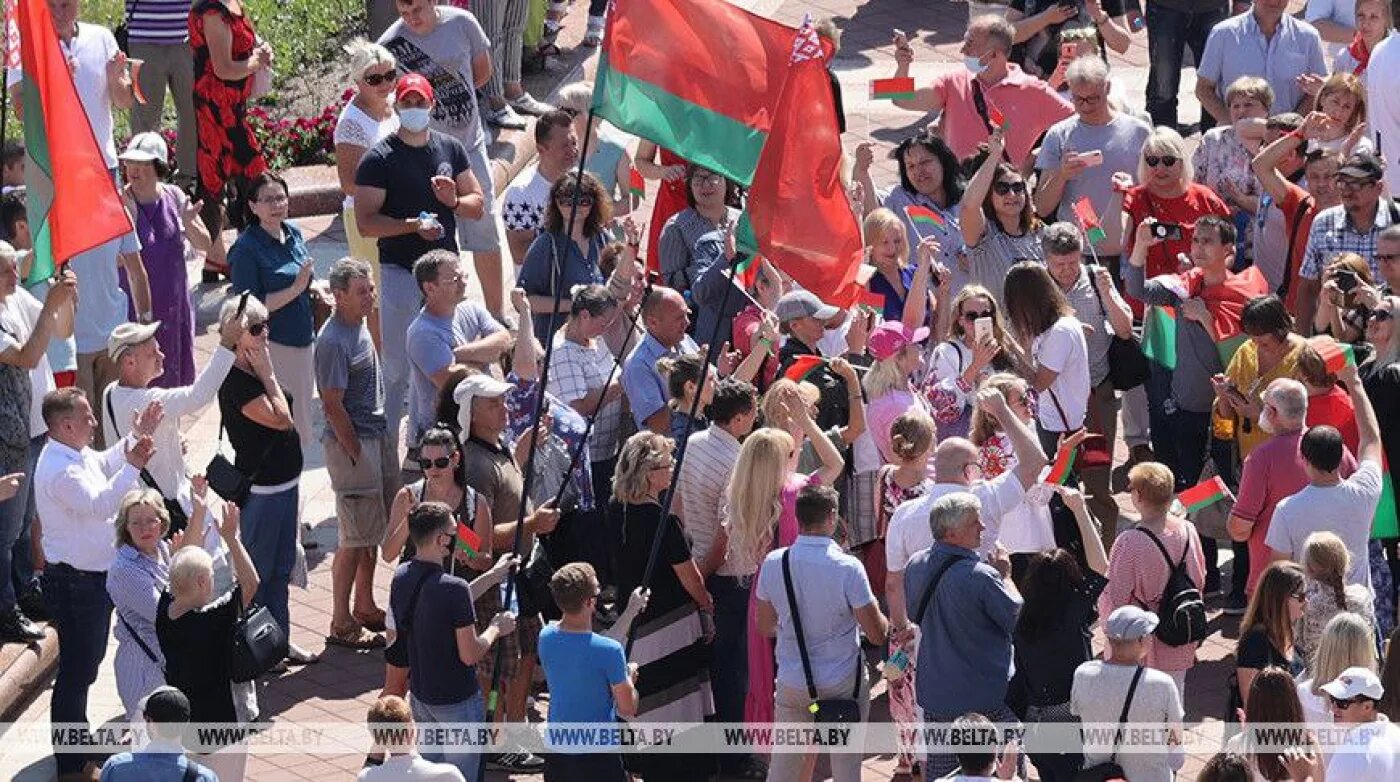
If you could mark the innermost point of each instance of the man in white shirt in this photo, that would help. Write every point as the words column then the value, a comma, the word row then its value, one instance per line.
column 25, row 329
column 1329, row 503
column 957, row 469
column 77, row 491
column 1370, row 751
column 391, row 724
column 526, row 205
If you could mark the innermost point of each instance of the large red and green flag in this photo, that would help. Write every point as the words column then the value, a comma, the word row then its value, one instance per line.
column 71, row 198
column 802, row 367
column 698, row 77
column 798, row 206
column 1386, row 523
column 1159, row 336
column 1089, row 221
column 1063, row 467
column 892, row 89
column 467, row 539
column 1204, row 494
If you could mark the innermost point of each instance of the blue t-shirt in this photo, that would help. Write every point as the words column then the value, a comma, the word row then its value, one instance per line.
column 581, row 669
column 430, row 341
column 261, row 264
column 152, row 766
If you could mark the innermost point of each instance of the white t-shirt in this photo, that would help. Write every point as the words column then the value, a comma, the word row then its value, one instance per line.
column 18, row 319
column 525, row 204
column 411, row 768
column 1062, row 348
column 90, row 51
column 1097, row 697
column 1373, row 756
column 360, row 129
column 1346, row 509
column 909, row 531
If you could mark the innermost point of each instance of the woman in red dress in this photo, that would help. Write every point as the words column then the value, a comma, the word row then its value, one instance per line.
column 227, row 55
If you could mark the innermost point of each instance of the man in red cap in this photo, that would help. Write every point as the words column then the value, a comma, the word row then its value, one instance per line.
column 410, row 191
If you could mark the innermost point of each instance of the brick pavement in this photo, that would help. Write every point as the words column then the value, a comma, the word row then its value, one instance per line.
column 344, row 683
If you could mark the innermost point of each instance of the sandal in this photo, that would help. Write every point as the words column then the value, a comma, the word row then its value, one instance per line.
column 373, row 622
column 354, row 637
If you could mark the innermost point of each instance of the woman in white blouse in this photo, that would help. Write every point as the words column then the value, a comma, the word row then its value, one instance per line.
column 367, row 119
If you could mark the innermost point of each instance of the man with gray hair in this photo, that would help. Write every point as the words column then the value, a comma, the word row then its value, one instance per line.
column 1275, row 469
column 1081, row 154
column 966, row 611
column 361, row 457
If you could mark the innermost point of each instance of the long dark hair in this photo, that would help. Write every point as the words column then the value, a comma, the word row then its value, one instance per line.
column 1273, row 700
column 1033, row 301
column 952, row 173
column 249, row 193
column 556, row 221
column 1051, row 578
column 1028, row 219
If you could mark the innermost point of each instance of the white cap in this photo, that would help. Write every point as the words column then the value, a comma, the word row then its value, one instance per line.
column 129, row 335
column 146, row 147
column 1354, row 681
column 471, row 387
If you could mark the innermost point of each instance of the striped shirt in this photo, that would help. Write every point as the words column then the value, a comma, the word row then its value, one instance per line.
column 135, row 582
column 575, row 372
column 164, row 22
column 710, row 457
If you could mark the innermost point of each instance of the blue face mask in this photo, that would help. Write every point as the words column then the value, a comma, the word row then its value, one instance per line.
column 415, row 120
column 974, row 64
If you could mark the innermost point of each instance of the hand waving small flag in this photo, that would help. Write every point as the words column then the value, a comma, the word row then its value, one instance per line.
column 1204, row 494
column 1063, row 467
column 1088, row 221
column 892, row 89
column 467, row 539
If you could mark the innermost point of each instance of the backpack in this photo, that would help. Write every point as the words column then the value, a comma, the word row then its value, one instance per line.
column 1181, row 611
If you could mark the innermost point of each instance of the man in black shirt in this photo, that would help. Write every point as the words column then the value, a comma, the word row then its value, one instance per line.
column 410, row 189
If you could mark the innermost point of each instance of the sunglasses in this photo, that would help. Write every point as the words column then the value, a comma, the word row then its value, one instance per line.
column 1153, row 161
column 976, row 315
column 1347, row 703
column 584, row 199
column 440, row 463
column 1005, row 188
column 376, row 79
column 257, row 329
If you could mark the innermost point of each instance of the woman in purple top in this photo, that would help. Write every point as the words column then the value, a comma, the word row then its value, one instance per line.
column 164, row 219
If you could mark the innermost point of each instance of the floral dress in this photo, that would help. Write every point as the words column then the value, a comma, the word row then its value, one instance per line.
column 1221, row 160
column 228, row 150
column 904, row 707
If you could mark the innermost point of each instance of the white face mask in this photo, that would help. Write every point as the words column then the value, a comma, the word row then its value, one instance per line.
column 1266, row 421
column 974, row 64
column 415, row 120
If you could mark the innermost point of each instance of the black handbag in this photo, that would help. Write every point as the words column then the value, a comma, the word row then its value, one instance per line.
column 258, row 644
column 1127, row 364
column 225, row 478
column 825, row 710
column 178, row 518
column 532, row 584
column 122, row 32
column 1109, row 769
column 396, row 653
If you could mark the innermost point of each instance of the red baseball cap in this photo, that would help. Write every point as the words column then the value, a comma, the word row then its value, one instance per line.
column 414, row 82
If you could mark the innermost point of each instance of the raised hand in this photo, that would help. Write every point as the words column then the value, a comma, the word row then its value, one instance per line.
column 228, row 525
column 146, row 421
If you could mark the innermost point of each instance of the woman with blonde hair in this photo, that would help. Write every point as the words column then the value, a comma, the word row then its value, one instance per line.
column 960, row 362
column 1223, row 160
column 898, row 353
column 898, row 278
column 1167, row 191
column 1342, row 98
column 1326, row 562
column 672, row 634
column 762, row 515
column 1373, row 23
column 1348, row 641
column 605, row 157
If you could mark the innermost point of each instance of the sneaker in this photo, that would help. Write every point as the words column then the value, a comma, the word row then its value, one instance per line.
column 521, row 761
column 1235, row 605
column 505, row 117
column 525, row 103
column 15, row 626
column 32, row 602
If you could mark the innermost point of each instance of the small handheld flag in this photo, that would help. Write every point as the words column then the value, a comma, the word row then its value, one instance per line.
column 1204, row 494
column 872, row 301
column 636, row 185
column 1335, row 355
column 1063, row 467
column 922, row 215
column 995, row 117
column 1089, row 221
column 746, row 273
column 802, row 368
column 467, row 539
column 892, row 89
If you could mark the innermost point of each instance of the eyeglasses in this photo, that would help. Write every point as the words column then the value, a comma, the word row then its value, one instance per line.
column 1166, row 161
column 440, row 463
column 257, row 329
column 376, row 79
column 1347, row 183
column 1004, row 188
column 976, row 315
column 1387, row 257
column 277, row 199
column 565, row 199
column 709, row 179
column 1299, row 596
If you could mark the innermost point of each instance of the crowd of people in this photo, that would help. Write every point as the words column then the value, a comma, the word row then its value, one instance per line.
column 761, row 499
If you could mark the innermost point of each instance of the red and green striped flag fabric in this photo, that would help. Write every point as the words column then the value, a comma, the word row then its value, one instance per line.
column 1386, row 524
column 636, row 185
column 1229, row 347
column 802, row 368
column 72, row 201
column 1159, row 336
column 922, row 215
column 1089, row 221
column 1063, row 467
column 1335, row 355
column 697, row 77
column 1204, row 494
column 874, row 302
column 746, row 273
column 892, row 89
column 467, row 539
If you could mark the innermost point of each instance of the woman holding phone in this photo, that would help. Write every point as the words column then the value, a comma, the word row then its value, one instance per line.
column 999, row 223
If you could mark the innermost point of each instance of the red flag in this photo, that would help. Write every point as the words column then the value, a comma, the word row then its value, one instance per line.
column 1084, row 211
column 801, row 215
column 803, row 366
column 1204, row 494
column 467, row 539
column 872, row 300
column 997, row 120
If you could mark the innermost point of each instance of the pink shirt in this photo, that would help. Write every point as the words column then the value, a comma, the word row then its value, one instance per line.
column 1029, row 106
column 1137, row 574
column 880, row 414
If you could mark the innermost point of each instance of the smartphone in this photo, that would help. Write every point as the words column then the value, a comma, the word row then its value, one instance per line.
column 1093, row 157
column 1346, row 280
column 1166, row 231
column 981, row 330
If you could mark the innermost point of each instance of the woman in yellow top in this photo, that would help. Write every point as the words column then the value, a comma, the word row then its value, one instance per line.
column 1271, row 352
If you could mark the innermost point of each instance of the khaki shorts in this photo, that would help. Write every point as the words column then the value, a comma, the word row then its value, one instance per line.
column 364, row 489
column 524, row 642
